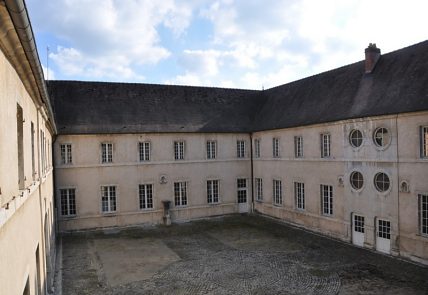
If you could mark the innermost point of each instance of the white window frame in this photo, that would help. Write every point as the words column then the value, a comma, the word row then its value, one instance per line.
column 179, row 146
column 257, row 148
column 385, row 140
column 242, row 190
column 259, row 189
column 277, row 192
column 180, row 194
column 145, row 196
column 423, row 214
column 383, row 229
column 211, row 149
column 106, row 152
column 240, row 148
column 144, row 151
column 275, row 147
column 299, row 195
column 325, row 145
column 66, row 153
column 213, row 191
column 327, row 201
column 69, row 207
column 108, row 198
column 359, row 223
column 424, row 142
column 298, row 146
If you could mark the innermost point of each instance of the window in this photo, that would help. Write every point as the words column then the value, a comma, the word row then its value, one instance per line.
column 259, row 189
column 179, row 150
column 359, row 223
column 240, row 148
column 327, row 199
column 144, row 150
column 424, row 142
column 212, row 191
column 108, row 199
column 66, row 157
column 299, row 195
column 68, row 201
column 146, row 196
column 298, row 146
column 242, row 190
column 106, row 152
column 20, row 139
column 381, row 137
column 211, row 149
column 356, row 180
column 277, row 192
column 384, row 229
column 325, row 145
column 381, row 182
column 275, row 147
column 356, row 138
column 180, row 193
column 256, row 148
column 33, row 158
column 423, row 213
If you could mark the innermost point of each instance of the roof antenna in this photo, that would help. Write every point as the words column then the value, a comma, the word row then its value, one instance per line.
column 47, row 63
column 263, row 87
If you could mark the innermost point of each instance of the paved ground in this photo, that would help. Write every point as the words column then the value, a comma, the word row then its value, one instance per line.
column 232, row 255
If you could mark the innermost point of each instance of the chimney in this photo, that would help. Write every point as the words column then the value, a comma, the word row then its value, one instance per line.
column 372, row 56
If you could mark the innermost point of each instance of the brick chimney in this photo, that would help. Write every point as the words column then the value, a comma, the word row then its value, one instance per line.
column 372, row 56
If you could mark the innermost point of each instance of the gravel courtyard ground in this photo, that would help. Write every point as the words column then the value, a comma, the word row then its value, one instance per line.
column 230, row 255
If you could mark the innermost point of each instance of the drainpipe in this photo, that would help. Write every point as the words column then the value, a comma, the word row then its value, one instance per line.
column 252, row 173
column 398, row 187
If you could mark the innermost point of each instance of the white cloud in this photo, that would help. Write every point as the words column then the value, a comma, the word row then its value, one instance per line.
column 48, row 74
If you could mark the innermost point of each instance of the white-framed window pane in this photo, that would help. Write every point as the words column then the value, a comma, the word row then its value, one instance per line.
column 242, row 190
column 384, row 229
column 298, row 146
column 107, row 152
column 325, row 145
column 424, row 142
column 299, row 195
column 275, row 147
column 180, row 193
column 211, row 149
column 179, row 150
column 68, row 202
column 381, row 181
column 144, row 150
column 240, row 149
column 212, row 191
column 108, row 199
column 356, row 180
column 423, row 213
column 259, row 189
column 146, row 196
column 359, row 223
column 277, row 192
column 356, row 138
column 257, row 148
column 327, row 199
column 381, row 137
column 66, row 156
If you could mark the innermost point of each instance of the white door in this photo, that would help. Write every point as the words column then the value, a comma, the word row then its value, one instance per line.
column 383, row 236
column 242, row 195
column 358, row 230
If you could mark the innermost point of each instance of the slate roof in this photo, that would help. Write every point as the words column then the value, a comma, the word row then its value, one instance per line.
column 398, row 84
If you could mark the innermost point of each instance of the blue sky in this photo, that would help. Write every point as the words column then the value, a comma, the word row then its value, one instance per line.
column 225, row 43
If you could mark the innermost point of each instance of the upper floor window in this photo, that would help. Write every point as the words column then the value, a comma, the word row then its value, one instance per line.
column 144, row 151
column 256, row 148
column 423, row 213
column 180, row 193
column 299, row 195
column 106, row 152
column 277, row 192
column 356, row 138
column 145, row 192
column 240, row 148
column 179, row 150
column 327, row 199
column 66, row 156
column 108, row 199
column 298, row 146
column 68, row 201
column 424, row 141
column 259, row 189
column 211, row 149
column 381, row 137
column 212, row 191
column 325, row 145
column 381, row 182
column 357, row 180
column 275, row 147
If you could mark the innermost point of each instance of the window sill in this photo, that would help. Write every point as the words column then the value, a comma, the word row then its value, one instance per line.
column 109, row 214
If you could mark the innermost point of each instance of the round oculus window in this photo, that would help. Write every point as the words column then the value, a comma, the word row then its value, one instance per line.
column 381, row 182
column 381, row 137
column 356, row 138
column 356, row 180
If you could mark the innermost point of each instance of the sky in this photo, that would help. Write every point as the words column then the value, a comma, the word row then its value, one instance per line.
column 251, row 44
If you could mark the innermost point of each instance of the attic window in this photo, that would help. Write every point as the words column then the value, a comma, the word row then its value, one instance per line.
column 356, row 138
column 381, row 137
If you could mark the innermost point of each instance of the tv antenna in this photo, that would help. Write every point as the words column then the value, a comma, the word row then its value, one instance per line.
column 47, row 63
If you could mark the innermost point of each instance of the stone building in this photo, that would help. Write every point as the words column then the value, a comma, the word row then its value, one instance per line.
column 27, row 127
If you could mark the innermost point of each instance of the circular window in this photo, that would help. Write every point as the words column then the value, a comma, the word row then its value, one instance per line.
column 381, row 137
column 381, row 182
column 356, row 138
column 356, row 180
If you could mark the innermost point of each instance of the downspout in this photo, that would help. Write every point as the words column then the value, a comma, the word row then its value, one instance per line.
column 398, row 187
column 252, row 173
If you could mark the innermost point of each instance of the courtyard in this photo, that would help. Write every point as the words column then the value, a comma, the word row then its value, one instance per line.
column 229, row 255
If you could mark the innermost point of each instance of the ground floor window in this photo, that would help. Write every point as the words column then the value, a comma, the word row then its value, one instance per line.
column 423, row 214
column 108, row 199
column 146, row 196
column 384, row 229
column 277, row 192
column 68, row 201
column 359, row 223
column 180, row 193
column 327, row 199
column 299, row 195
column 242, row 190
column 212, row 191
column 259, row 189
